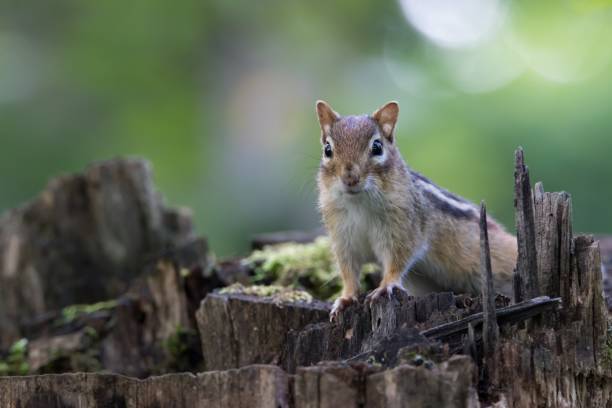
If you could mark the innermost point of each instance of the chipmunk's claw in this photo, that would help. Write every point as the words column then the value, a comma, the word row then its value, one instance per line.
column 383, row 291
column 339, row 305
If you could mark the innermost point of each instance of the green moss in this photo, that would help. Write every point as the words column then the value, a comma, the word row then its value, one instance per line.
column 183, row 351
column 70, row 313
column 16, row 361
column 302, row 266
column 61, row 361
column 275, row 292
column 174, row 345
column 85, row 359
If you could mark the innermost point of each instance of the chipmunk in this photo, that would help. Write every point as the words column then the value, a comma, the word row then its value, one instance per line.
column 375, row 208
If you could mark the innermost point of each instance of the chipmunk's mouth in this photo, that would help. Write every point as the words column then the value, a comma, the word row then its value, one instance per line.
column 353, row 190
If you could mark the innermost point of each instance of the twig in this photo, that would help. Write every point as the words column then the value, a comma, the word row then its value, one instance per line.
column 505, row 315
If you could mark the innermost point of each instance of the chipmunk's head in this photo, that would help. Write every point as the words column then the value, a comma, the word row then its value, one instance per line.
column 357, row 150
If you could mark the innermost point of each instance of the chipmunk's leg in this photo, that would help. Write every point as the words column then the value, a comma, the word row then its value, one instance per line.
column 395, row 264
column 349, row 272
column 392, row 279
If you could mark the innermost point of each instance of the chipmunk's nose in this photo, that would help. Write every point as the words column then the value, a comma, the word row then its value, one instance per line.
column 350, row 175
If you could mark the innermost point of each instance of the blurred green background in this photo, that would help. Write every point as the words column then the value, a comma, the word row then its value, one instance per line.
column 219, row 95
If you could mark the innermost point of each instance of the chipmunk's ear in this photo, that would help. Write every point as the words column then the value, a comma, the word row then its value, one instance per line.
column 327, row 117
column 386, row 117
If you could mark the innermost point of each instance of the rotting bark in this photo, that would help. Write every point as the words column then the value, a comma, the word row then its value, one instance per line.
column 237, row 329
column 449, row 385
column 553, row 227
column 526, row 274
column 490, row 329
column 379, row 332
column 332, row 385
column 93, row 232
column 149, row 330
column 254, row 386
column 605, row 245
column 157, row 310
column 327, row 386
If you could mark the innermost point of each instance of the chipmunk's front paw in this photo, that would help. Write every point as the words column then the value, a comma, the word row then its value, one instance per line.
column 339, row 305
column 383, row 291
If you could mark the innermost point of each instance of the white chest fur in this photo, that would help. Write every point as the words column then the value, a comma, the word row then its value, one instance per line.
column 361, row 226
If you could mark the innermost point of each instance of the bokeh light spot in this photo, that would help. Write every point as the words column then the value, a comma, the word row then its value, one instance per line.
column 455, row 23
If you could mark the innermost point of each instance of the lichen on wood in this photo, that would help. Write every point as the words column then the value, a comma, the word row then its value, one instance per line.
column 309, row 266
column 277, row 293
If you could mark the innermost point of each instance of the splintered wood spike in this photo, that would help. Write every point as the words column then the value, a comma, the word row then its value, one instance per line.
column 526, row 280
column 490, row 330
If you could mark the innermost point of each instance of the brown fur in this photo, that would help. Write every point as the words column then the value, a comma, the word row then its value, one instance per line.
column 377, row 204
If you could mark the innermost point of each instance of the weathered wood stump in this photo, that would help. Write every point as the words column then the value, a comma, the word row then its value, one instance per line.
column 254, row 386
column 451, row 384
column 605, row 243
column 553, row 348
column 238, row 329
column 332, row 385
column 82, row 240
column 379, row 331
column 149, row 330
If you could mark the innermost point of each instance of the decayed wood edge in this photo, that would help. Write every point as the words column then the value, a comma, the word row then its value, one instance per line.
column 553, row 227
column 605, row 245
column 228, row 323
column 331, row 384
column 505, row 315
column 526, row 274
column 490, row 328
column 96, row 231
column 588, row 305
column 254, row 385
column 470, row 342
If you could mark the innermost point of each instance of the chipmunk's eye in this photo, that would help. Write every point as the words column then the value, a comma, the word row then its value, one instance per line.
column 328, row 150
column 377, row 148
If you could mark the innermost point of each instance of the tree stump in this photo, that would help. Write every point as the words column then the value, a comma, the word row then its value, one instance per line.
column 254, row 386
column 82, row 240
column 238, row 329
column 442, row 349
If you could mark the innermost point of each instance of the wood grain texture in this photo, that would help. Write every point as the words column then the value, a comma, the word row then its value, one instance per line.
column 553, row 228
column 490, row 329
column 526, row 281
column 254, row 386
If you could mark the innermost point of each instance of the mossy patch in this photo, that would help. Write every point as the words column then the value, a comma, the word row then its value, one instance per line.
column 310, row 267
column 183, row 351
column 86, row 360
column 276, row 293
column 15, row 362
column 70, row 313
